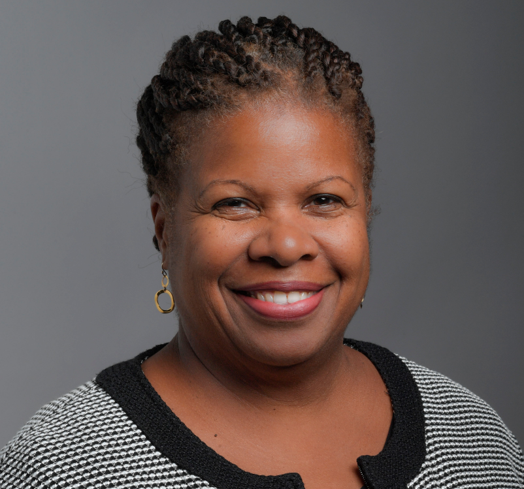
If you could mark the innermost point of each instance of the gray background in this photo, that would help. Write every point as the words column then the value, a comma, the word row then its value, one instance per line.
column 78, row 271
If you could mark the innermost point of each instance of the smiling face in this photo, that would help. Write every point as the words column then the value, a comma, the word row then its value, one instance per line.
column 267, row 246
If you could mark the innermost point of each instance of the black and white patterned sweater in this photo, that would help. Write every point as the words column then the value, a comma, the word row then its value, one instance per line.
column 116, row 432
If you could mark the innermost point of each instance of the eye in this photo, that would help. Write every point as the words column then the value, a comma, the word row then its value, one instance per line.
column 325, row 199
column 234, row 202
column 235, row 208
column 325, row 204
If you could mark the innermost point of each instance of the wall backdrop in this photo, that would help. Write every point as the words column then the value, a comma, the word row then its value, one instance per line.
column 78, row 271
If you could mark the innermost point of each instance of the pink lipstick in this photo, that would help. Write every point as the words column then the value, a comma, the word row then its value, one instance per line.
column 282, row 300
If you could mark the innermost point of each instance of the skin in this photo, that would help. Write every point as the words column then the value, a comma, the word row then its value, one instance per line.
column 271, row 194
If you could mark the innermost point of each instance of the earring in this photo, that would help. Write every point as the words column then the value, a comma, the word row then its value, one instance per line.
column 362, row 303
column 163, row 290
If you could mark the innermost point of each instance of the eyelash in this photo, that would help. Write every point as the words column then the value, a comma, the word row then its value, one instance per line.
column 246, row 203
column 334, row 198
column 225, row 202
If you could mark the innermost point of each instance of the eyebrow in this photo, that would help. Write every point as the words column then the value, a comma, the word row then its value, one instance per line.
column 329, row 179
column 245, row 186
column 249, row 188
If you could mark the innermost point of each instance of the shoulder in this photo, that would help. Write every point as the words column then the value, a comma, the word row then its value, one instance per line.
column 72, row 441
column 86, row 439
column 467, row 443
column 50, row 442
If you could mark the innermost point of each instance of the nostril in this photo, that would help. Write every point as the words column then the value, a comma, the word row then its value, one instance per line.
column 282, row 243
column 271, row 261
column 307, row 256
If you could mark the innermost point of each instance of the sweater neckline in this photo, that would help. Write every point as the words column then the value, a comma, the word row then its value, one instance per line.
column 398, row 462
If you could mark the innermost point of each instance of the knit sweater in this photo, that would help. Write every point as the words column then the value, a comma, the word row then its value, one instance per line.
column 116, row 432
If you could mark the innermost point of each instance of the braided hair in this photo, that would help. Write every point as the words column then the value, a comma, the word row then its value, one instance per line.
column 216, row 73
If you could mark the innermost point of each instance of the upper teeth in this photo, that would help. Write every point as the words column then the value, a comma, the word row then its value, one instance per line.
column 279, row 297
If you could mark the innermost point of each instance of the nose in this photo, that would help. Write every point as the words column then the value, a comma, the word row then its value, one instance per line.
column 282, row 243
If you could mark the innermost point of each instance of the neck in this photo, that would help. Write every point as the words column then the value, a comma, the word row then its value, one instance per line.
column 309, row 383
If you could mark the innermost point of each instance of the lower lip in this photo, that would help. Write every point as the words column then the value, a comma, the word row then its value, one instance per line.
column 296, row 310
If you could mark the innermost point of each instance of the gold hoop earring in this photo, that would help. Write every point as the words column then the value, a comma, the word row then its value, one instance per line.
column 362, row 303
column 163, row 290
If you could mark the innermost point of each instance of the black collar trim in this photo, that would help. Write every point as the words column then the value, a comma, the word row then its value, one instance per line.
column 405, row 449
column 397, row 464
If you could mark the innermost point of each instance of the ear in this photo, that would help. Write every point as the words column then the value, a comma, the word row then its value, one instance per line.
column 158, row 212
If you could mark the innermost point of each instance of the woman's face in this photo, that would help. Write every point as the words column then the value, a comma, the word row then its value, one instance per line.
column 267, row 246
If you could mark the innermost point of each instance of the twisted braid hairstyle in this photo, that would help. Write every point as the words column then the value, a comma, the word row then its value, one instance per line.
column 215, row 74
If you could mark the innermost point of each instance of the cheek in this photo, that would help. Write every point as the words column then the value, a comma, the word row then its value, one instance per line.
column 206, row 248
column 346, row 247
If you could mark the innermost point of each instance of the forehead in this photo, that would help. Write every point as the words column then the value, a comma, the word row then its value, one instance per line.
column 283, row 137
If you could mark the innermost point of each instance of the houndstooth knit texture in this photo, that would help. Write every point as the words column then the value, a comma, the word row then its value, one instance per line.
column 85, row 440
column 468, row 445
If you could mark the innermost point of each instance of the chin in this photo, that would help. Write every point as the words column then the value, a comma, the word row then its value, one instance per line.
column 285, row 348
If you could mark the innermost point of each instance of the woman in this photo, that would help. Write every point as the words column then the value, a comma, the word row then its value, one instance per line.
column 257, row 143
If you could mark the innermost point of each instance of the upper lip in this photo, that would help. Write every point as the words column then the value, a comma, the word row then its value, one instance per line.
column 282, row 286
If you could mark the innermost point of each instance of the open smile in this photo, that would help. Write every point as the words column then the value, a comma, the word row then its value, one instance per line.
column 284, row 301
column 279, row 297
